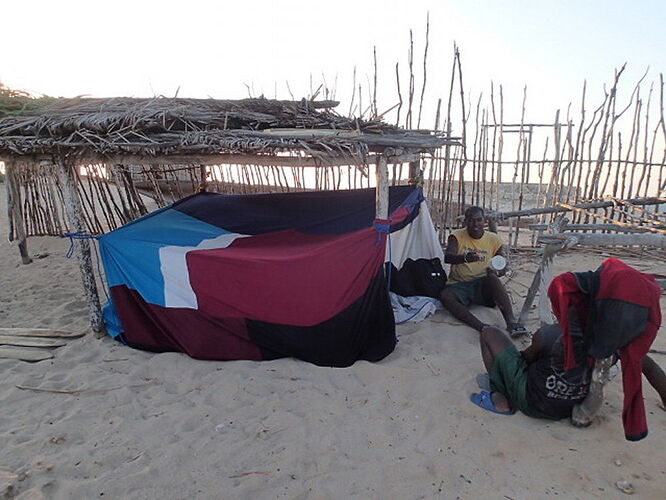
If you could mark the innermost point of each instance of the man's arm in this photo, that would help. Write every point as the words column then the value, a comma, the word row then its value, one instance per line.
column 453, row 257
column 532, row 352
column 655, row 375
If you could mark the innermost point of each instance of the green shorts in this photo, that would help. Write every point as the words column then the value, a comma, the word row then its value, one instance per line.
column 470, row 292
column 509, row 376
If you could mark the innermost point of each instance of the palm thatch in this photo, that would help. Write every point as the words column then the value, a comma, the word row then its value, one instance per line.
column 16, row 102
column 93, row 128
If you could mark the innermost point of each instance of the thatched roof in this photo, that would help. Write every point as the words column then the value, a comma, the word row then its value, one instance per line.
column 92, row 128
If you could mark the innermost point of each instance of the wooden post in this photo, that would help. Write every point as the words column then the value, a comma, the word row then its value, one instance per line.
column 415, row 177
column 15, row 211
column 66, row 173
column 381, row 196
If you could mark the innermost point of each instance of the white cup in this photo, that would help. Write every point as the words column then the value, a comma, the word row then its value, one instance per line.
column 497, row 263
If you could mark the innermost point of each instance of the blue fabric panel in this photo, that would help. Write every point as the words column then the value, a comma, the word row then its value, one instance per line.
column 144, row 238
column 112, row 321
column 313, row 212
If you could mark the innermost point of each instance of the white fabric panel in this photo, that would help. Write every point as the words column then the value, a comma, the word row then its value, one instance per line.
column 417, row 240
column 173, row 264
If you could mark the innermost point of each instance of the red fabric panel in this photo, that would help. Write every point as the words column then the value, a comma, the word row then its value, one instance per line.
column 157, row 328
column 286, row 277
column 621, row 282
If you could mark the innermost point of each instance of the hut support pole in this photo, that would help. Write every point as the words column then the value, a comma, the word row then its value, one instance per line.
column 381, row 196
column 15, row 211
column 74, row 213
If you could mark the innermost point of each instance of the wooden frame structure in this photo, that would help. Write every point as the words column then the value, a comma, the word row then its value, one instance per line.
column 65, row 134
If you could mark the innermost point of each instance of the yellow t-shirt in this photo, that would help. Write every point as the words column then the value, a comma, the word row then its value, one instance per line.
column 486, row 246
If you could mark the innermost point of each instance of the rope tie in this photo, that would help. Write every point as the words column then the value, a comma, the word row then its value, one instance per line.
column 385, row 228
column 82, row 235
column 79, row 235
column 381, row 228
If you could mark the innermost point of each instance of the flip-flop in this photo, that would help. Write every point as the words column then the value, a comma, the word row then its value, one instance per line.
column 516, row 330
column 484, row 400
column 483, row 381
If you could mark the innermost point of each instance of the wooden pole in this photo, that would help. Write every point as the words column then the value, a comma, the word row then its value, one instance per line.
column 592, row 204
column 541, row 282
column 598, row 239
column 414, row 172
column 598, row 227
column 381, row 196
column 74, row 211
column 15, row 211
column 544, row 276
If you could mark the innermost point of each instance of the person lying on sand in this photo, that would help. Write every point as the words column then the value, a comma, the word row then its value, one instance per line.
column 534, row 381
column 472, row 280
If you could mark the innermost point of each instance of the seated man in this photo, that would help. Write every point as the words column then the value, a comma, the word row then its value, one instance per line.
column 471, row 280
column 534, row 381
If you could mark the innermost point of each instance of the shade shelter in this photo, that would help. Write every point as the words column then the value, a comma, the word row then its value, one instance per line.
column 46, row 142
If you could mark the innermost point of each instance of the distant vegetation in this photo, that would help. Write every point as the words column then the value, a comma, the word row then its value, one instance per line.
column 16, row 102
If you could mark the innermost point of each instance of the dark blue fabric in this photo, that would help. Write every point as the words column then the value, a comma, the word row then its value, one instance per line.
column 313, row 212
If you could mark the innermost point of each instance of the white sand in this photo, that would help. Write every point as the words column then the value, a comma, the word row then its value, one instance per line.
column 154, row 426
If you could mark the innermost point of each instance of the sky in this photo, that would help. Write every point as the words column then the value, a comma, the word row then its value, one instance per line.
column 232, row 49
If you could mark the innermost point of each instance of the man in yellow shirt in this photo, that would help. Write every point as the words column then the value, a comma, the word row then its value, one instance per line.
column 471, row 280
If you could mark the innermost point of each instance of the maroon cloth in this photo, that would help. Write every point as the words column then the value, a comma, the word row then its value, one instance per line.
column 286, row 277
column 617, row 282
column 201, row 336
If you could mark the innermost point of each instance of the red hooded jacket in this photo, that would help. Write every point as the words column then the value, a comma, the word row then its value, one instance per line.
column 618, row 308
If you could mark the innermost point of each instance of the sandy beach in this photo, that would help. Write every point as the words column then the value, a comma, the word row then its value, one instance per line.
column 136, row 425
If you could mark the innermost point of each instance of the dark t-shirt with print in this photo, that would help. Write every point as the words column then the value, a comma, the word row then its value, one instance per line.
column 550, row 389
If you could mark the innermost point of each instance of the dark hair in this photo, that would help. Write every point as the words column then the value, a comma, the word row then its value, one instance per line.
column 473, row 210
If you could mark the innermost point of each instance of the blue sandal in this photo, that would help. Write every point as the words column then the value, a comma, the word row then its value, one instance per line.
column 516, row 330
column 483, row 381
column 484, row 400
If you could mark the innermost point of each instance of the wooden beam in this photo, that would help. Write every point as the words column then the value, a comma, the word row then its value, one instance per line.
column 593, row 227
column 599, row 239
column 240, row 159
column 74, row 211
column 15, row 211
column 592, row 204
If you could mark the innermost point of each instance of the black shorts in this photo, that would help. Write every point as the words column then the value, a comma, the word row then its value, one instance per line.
column 470, row 292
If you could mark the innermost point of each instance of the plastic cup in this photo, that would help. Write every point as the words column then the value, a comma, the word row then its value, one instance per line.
column 497, row 263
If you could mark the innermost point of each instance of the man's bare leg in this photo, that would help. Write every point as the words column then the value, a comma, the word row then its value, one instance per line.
column 493, row 288
column 493, row 341
column 451, row 302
